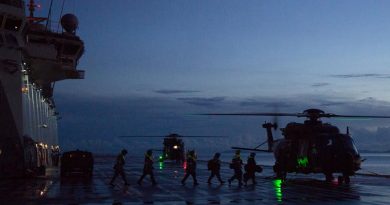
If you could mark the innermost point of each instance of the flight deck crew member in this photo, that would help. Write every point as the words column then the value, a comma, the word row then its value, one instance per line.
column 148, row 167
column 250, row 169
column 214, row 166
column 236, row 165
column 191, row 168
column 118, row 167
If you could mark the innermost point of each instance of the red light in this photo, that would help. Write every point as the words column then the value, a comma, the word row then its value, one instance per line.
column 184, row 165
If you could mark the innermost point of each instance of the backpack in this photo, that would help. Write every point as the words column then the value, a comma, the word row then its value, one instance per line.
column 210, row 164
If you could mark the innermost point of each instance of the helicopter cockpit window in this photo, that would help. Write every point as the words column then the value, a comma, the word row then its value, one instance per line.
column 350, row 145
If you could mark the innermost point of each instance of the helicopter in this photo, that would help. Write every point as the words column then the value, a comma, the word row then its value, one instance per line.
column 173, row 146
column 311, row 146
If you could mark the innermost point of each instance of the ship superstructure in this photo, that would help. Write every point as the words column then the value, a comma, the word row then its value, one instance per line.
column 32, row 58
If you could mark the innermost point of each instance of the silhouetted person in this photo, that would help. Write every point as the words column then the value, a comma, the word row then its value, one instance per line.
column 191, row 168
column 236, row 165
column 250, row 169
column 119, row 167
column 214, row 166
column 148, row 167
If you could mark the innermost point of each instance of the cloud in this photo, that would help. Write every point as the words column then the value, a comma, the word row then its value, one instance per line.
column 268, row 104
column 364, row 75
column 169, row 92
column 203, row 101
column 94, row 123
column 320, row 84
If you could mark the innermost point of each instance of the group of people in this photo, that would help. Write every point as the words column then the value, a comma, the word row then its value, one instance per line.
column 214, row 165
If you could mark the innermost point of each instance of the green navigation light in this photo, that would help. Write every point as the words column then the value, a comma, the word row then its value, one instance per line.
column 303, row 162
column 278, row 189
column 161, row 165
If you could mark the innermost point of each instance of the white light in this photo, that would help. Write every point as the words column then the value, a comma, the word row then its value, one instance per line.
column 175, row 147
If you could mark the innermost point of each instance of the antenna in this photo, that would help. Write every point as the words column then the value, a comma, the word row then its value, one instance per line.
column 62, row 10
column 31, row 8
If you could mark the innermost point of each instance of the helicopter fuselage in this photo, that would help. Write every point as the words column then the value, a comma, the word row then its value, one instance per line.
column 315, row 147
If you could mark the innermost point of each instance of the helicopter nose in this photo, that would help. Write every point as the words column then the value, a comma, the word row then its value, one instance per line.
column 357, row 162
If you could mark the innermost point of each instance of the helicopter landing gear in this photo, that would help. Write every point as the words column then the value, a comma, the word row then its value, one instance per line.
column 344, row 179
column 329, row 177
column 281, row 175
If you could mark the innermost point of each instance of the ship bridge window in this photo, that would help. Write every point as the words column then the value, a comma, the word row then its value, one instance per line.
column 70, row 49
column 13, row 24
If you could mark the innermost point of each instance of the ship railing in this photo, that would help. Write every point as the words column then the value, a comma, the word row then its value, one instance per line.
column 54, row 26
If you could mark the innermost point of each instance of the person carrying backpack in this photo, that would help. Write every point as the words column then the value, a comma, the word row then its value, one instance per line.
column 236, row 165
column 250, row 169
column 191, row 168
column 214, row 165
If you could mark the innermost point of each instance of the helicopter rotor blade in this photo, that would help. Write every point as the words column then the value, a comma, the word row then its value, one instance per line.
column 260, row 114
column 135, row 136
column 325, row 115
column 352, row 116
column 203, row 136
column 251, row 149
column 162, row 136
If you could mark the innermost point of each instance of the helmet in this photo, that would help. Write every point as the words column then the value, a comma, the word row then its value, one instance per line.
column 238, row 151
column 217, row 155
column 124, row 151
column 149, row 152
column 253, row 154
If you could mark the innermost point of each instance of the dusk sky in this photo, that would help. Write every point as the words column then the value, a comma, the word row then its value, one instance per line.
column 151, row 64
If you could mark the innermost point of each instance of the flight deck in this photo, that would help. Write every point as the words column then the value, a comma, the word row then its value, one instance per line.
column 298, row 189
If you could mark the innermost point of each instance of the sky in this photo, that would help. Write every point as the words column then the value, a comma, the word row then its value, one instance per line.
column 151, row 64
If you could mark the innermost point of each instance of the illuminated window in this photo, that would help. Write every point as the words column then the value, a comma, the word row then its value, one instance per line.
column 24, row 89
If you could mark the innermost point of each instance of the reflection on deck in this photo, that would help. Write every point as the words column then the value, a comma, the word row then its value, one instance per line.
column 297, row 189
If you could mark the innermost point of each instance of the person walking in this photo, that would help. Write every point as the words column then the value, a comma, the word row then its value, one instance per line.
column 214, row 165
column 236, row 165
column 119, row 167
column 191, row 168
column 148, row 168
column 250, row 169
